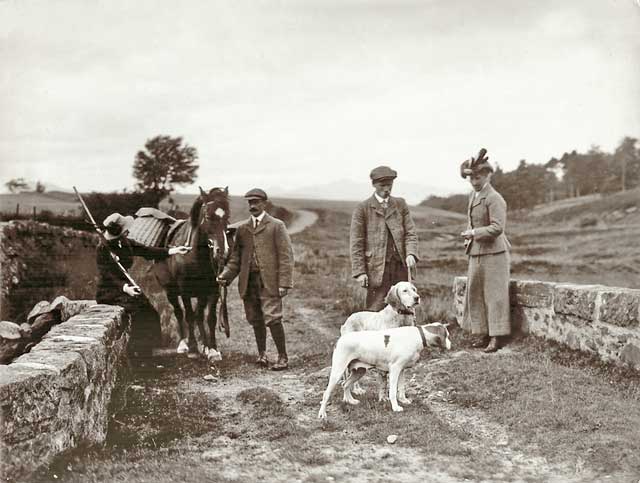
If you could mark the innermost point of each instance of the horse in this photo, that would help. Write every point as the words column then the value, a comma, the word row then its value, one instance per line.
column 194, row 274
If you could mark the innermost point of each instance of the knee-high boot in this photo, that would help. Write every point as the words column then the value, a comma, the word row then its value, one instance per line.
column 277, row 333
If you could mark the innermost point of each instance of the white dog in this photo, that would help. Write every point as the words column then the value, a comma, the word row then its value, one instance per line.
column 401, row 301
column 390, row 350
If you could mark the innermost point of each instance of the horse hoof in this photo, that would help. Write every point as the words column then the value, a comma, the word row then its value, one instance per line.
column 213, row 355
column 183, row 347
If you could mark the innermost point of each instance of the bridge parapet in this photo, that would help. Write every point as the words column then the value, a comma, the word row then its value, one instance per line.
column 592, row 318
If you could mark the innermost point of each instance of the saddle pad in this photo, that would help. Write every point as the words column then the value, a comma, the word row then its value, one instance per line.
column 149, row 231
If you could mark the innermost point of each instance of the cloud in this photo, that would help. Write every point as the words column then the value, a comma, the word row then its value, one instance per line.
column 291, row 90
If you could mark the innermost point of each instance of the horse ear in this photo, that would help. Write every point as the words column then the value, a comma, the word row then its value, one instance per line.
column 393, row 299
column 202, row 193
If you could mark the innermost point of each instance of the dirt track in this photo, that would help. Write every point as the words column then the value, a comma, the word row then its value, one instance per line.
column 302, row 220
column 245, row 423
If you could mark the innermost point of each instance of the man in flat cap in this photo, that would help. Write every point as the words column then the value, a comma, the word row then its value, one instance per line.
column 384, row 243
column 263, row 257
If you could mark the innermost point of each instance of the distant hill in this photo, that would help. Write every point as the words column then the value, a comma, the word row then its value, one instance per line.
column 621, row 207
column 349, row 190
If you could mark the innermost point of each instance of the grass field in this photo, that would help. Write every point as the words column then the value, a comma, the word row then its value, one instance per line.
column 535, row 411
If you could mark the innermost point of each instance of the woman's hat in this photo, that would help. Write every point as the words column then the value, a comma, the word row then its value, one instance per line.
column 115, row 225
column 476, row 165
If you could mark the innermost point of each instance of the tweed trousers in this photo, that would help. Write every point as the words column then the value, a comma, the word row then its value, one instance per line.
column 487, row 310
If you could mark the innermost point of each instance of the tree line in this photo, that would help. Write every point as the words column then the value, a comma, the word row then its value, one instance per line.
column 570, row 175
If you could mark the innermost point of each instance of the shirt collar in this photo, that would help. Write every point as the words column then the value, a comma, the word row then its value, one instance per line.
column 380, row 200
column 259, row 217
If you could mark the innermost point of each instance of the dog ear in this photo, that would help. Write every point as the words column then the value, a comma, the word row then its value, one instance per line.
column 393, row 299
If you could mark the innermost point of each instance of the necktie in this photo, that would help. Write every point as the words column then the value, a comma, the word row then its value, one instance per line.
column 256, row 222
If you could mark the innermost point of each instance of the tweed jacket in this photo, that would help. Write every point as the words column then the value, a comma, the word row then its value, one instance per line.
column 273, row 251
column 110, row 278
column 369, row 236
column 487, row 215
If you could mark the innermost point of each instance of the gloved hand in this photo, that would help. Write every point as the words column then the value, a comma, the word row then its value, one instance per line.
column 179, row 250
column 283, row 291
column 468, row 234
column 131, row 290
column 363, row 280
column 411, row 261
column 222, row 281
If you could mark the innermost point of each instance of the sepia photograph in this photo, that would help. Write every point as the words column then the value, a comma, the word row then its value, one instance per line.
column 317, row 241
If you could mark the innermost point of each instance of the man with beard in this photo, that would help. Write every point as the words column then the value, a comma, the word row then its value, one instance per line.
column 263, row 258
column 384, row 243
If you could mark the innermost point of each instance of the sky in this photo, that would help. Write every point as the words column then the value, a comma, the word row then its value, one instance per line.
column 297, row 93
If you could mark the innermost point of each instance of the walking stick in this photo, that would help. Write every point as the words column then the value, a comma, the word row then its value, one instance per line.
column 409, row 277
column 114, row 257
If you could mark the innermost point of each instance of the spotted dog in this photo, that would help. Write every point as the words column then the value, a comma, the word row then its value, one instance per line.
column 401, row 301
column 389, row 350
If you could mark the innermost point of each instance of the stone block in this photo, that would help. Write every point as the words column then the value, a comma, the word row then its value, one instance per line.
column 620, row 307
column 631, row 355
column 56, row 397
column 576, row 300
column 532, row 293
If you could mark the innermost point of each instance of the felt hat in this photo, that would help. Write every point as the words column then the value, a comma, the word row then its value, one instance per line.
column 115, row 225
column 476, row 165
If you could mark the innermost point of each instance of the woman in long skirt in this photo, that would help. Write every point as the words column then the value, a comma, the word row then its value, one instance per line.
column 487, row 312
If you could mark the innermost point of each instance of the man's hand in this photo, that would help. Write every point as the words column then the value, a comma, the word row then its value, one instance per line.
column 222, row 281
column 131, row 290
column 182, row 250
column 363, row 280
column 411, row 261
column 283, row 291
column 467, row 234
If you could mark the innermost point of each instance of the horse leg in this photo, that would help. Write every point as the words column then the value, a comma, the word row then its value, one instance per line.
column 189, row 316
column 172, row 296
column 213, row 354
column 212, row 319
column 201, row 303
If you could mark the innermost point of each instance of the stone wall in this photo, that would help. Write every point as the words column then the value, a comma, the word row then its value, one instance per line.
column 40, row 262
column 592, row 318
column 57, row 396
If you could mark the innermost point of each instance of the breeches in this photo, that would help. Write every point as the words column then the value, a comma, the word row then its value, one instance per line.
column 260, row 307
column 487, row 309
column 394, row 272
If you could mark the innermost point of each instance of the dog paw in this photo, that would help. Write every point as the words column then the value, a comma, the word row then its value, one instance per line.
column 405, row 400
column 358, row 391
column 383, row 397
column 183, row 347
column 322, row 414
column 397, row 409
column 351, row 401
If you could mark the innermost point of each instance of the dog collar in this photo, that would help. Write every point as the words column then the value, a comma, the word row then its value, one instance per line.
column 424, row 339
column 405, row 312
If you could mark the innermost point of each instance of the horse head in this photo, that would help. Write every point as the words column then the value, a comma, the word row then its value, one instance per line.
column 213, row 219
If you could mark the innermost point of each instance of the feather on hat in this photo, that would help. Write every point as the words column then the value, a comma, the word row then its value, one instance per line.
column 476, row 165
